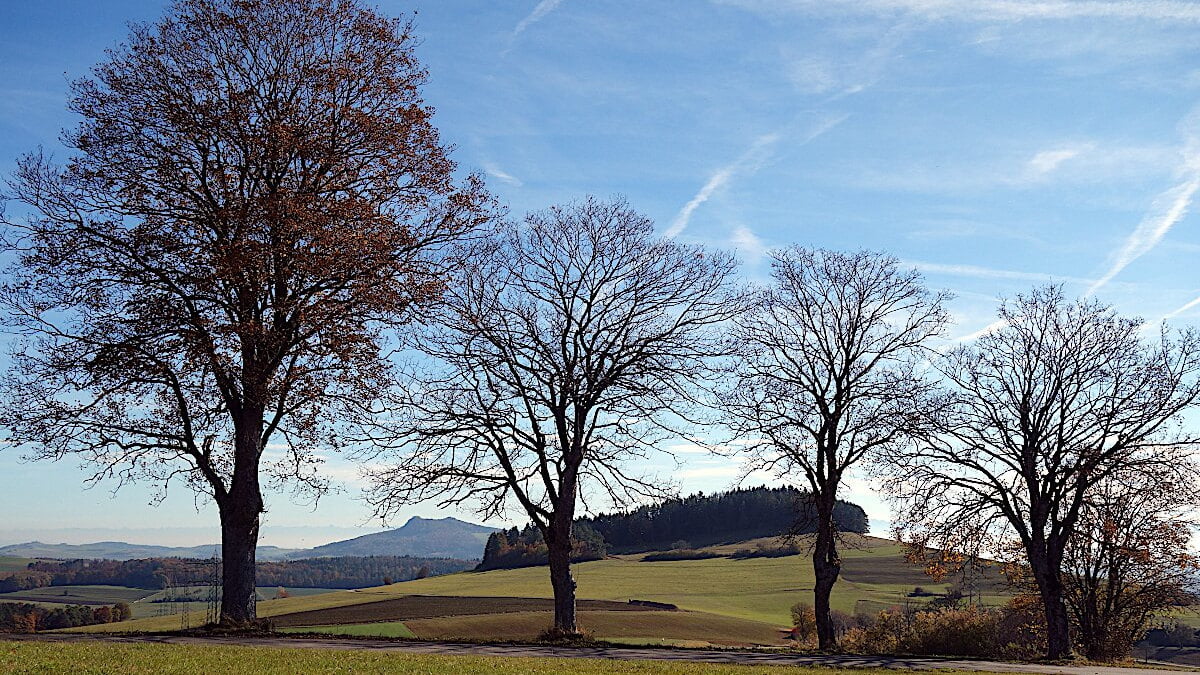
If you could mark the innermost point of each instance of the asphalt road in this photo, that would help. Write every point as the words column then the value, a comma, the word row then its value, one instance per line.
column 622, row 653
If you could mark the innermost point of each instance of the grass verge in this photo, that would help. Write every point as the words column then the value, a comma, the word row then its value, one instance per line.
column 94, row 658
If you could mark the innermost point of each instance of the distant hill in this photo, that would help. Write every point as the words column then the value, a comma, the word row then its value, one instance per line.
column 157, row 573
column 420, row 537
column 119, row 550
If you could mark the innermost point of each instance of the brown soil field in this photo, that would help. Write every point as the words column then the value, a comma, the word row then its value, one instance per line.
column 431, row 606
column 679, row 625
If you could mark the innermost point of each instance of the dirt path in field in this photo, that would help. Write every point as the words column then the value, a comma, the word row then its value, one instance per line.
column 622, row 653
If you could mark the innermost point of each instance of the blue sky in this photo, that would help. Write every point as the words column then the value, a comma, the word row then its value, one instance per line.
column 993, row 144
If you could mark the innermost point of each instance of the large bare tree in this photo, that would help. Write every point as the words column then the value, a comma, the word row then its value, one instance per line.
column 1061, row 397
column 255, row 193
column 560, row 355
column 827, row 373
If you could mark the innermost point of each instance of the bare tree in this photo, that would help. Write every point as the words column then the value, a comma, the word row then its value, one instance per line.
column 256, row 193
column 1130, row 558
column 564, row 352
column 828, row 374
column 1060, row 398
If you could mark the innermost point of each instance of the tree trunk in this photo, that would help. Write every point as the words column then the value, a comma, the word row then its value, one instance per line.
column 240, row 510
column 239, row 541
column 827, row 565
column 1058, row 625
column 558, row 544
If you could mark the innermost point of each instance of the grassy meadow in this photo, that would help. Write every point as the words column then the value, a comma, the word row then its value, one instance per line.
column 95, row 658
column 9, row 563
column 164, row 605
column 78, row 595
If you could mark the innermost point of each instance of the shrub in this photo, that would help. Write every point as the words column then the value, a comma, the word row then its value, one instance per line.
column 804, row 623
column 102, row 614
column 972, row 631
column 122, row 612
column 764, row 551
column 666, row 606
column 1014, row 631
column 1023, row 628
column 679, row 554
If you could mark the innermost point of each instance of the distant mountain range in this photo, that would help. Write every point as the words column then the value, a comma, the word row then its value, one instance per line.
column 419, row 537
column 119, row 550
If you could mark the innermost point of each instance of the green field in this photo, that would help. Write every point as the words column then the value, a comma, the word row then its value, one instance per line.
column 146, row 603
column 194, row 600
column 95, row 658
column 10, row 564
column 725, row 601
column 78, row 595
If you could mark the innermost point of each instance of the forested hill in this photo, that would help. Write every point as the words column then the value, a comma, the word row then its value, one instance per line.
column 351, row 572
column 731, row 516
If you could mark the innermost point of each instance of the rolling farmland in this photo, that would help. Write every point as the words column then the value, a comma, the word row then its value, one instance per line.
column 721, row 600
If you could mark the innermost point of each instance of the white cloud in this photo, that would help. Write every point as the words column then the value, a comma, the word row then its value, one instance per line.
column 1066, row 163
column 747, row 163
column 995, row 325
column 1047, row 161
column 501, row 175
column 1167, row 209
column 743, row 239
column 539, row 12
column 688, row 449
column 811, row 75
column 978, row 272
column 750, row 160
column 726, row 471
column 979, row 11
column 1172, row 314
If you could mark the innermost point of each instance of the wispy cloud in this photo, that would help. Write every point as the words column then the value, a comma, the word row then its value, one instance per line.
column 749, row 244
column 995, row 325
column 1064, row 163
column 841, row 75
column 992, row 10
column 1167, row 209
column 977, row 272
column 1047, row 161
column 749, row 161
column 1174, row 313
column 539, row 12
column 501, row 175
column 726, row 471
column 688, row 449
